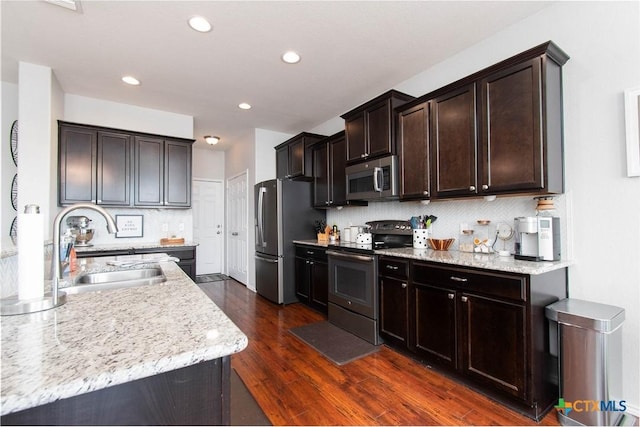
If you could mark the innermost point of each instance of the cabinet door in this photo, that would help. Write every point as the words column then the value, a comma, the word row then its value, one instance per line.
column 319, row 284
column 303, row 288
column 413, row 148
column 282, row 162
column 177, row 174
column 355, row 134
column 434, row 326
column 493, row 343
column 113, row 169
column 77, row 165
column 453, row 141
column 296, row 158
column 512, row 147
column 148, row 171
column 378, row 129
column 337, row 165
column 321, row 181
column 394, row 310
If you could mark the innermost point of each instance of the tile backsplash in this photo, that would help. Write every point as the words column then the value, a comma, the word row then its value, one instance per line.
column 452, row 213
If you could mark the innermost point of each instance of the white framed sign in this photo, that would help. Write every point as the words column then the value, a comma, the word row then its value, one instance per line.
column 129, row 225
column 632, row 124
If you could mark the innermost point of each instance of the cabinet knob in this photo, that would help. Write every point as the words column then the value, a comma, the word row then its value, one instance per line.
column 451, row 296
column 404, row 285
column 310, row 262
column 363, row 155
column 472, row 188
column 426, row 193
column 464, row 299
column 485, row 187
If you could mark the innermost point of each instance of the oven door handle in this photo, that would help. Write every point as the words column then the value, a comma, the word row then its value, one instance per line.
column 351, row 256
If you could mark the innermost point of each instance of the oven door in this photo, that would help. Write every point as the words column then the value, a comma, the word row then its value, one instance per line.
column 353, row 282
column 373, row 180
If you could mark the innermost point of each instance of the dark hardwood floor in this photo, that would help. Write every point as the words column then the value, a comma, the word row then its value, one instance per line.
column 295, row 385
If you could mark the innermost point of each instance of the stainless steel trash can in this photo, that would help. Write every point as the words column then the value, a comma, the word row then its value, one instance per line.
column 589, row 347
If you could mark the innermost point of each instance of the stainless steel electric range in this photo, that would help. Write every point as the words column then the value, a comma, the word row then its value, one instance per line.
column 353, row 278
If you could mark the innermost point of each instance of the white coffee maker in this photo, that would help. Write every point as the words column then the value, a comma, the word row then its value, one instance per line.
column 537, row 238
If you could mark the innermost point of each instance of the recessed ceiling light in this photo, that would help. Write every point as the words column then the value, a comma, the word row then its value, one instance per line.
column 244, row 106
column 291, row 57
column 212, row 140
column 130, row 80
column 200, row 24
column 68, row 4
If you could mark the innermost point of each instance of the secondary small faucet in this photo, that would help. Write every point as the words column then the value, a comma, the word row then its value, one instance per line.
column 55, row 260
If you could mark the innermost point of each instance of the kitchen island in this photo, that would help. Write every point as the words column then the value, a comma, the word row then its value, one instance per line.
column 155, row 354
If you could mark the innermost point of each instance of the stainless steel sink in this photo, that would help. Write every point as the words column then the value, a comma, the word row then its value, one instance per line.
column 116, row 279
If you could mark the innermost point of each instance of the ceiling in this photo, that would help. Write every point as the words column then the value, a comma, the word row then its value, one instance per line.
column 351, row 52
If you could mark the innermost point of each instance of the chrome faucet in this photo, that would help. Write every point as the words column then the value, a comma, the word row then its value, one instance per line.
column 56, row 262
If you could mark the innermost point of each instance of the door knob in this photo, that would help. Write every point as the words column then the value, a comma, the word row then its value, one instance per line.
column 235, row 233
column 217, row 232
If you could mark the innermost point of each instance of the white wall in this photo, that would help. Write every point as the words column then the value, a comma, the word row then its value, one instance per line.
column 92, row 111
column 207, row 164
column 602, row 205
column 9, row 114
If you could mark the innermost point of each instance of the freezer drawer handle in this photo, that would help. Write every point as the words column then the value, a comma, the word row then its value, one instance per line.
column 272, row 261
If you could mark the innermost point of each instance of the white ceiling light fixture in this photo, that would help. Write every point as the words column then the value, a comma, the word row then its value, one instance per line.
column 200, row 24
column 291, row 57
column 244, row 106
column 212, row 140
column 67, row 4
column 130, row 80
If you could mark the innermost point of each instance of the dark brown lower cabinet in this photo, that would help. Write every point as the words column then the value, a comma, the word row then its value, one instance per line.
column 394, row 300
column 194, row 395
column 312, row 277
column 486, row 328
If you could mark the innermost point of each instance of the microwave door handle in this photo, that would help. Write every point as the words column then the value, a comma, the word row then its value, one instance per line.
column 377, row 186
column 260, row 215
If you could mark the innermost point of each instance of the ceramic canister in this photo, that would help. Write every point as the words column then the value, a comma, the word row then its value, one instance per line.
column 346, row 234
column 420, row 237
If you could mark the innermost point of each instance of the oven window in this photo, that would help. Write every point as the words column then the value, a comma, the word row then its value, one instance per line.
column 351, row 283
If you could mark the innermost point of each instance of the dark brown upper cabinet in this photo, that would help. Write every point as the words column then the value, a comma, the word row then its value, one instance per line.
column 413, row 152
column 370, row 128
column 294, row 157
column 498, row 131
column 94, row 166
column 453, row 143
column 162, row 172
column 114, row 167
column 329, row 177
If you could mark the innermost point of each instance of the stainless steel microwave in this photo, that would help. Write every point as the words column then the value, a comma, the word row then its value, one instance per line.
column 373, row 180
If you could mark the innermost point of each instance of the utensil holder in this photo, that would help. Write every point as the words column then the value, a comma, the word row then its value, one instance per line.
column 420, row 238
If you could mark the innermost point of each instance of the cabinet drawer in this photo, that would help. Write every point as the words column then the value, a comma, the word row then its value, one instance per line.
column 489, row 283
column 311, row 252
column 393, row 267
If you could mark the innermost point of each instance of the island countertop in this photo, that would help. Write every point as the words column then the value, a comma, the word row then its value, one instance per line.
column 105, row 338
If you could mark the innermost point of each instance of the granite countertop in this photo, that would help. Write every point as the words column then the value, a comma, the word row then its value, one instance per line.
column 129, row 245
column 465, row 259
column 104, row 338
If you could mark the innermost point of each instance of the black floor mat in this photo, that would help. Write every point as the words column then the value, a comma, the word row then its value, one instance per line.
column 334, row 343
column 244, row 408
column 205, row 278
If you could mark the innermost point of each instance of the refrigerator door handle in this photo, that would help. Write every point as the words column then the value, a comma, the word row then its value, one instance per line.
column 273, row 261
column 260, row 216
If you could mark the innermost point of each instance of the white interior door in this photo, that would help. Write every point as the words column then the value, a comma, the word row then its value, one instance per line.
column 208, row 225
column 237, row 217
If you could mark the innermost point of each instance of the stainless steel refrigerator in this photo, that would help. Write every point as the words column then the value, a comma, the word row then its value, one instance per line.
column 283, row 213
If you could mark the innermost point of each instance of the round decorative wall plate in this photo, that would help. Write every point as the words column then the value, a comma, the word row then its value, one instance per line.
column 14, row 142
column 13, row 231
column 14, row 192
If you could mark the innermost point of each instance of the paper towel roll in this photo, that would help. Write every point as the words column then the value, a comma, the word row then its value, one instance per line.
column 30, row 253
